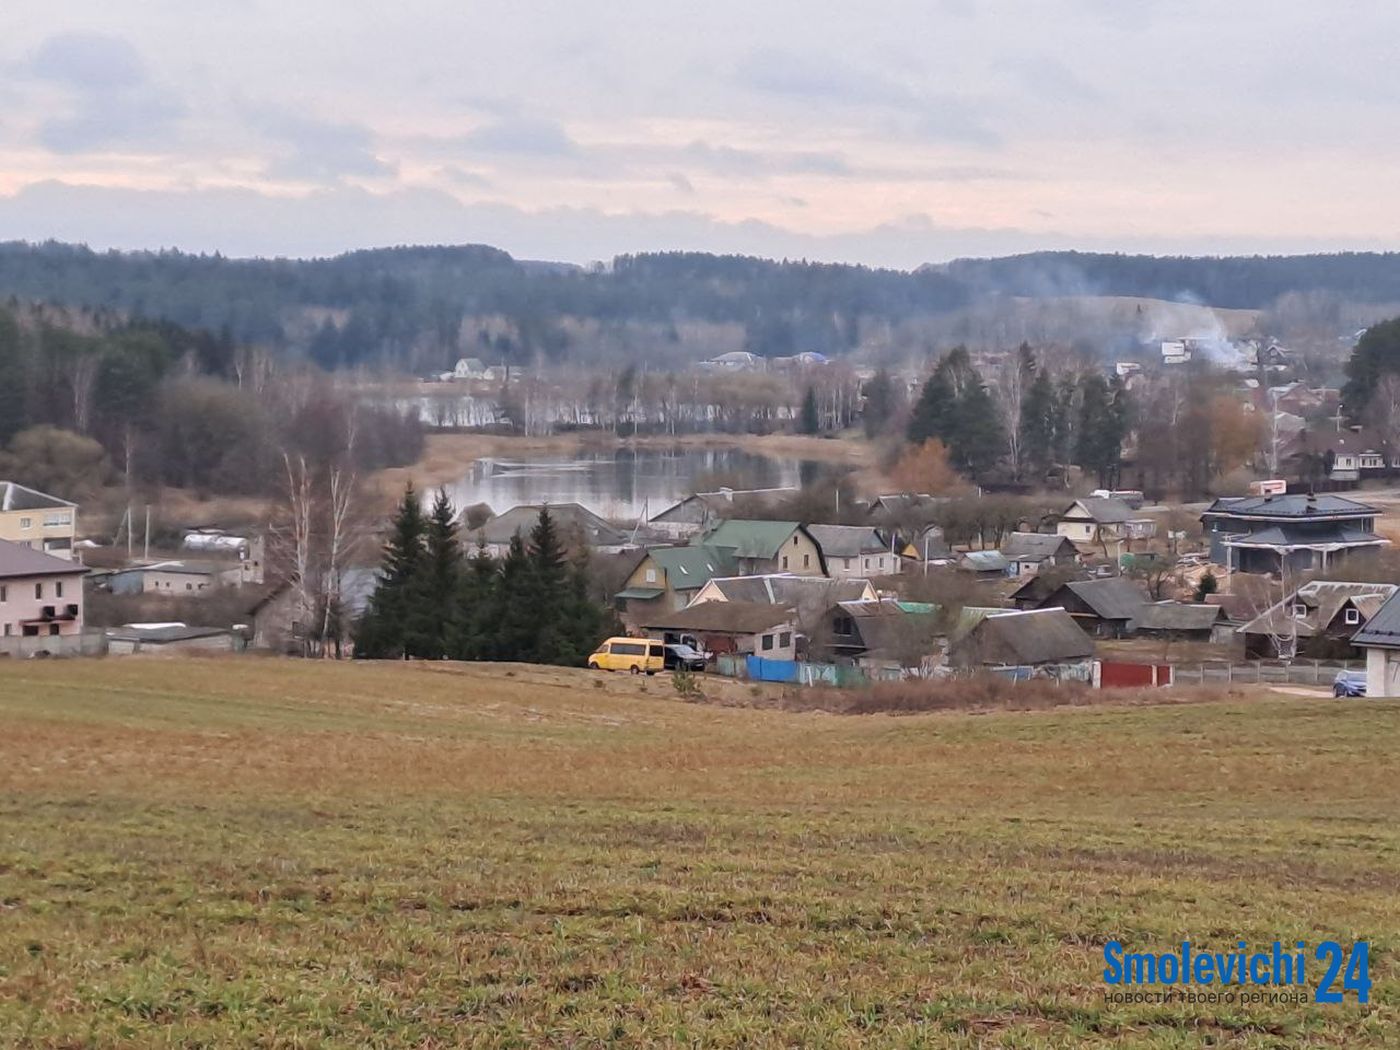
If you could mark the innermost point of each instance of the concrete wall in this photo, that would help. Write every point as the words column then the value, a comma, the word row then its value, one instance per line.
column 24, row 598
column 52, row 531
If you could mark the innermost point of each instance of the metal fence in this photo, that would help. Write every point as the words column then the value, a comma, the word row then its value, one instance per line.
column 1264, row 672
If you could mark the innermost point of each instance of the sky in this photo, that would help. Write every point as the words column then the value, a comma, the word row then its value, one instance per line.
column 889, row 132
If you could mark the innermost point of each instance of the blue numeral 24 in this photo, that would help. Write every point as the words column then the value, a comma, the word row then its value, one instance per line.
column 1357, row 977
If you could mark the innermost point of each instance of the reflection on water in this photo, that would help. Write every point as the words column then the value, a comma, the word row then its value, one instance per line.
column 621, row 484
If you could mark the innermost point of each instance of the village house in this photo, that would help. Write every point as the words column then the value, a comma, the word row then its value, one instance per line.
column 1317, row 621
column 667, row 578
column 1379, row 639
column 704, row 510
column 1028, row 553
column 1288, row 533
column 985, row 565
column 576, row 524
column 172, row 577
column 747, row 628
column 1103, row 608
column 1045, row 640
column 40, row 594
column 37, row 520
column 878, row 634
column 761, row 547
column 1181, row 622
column 854, row 551
column 1103, row 524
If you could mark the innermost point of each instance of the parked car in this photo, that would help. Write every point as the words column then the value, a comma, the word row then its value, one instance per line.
column 684, row 658
column 1349, row 683
column 628, row 654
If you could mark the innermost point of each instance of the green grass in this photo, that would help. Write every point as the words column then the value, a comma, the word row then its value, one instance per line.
column 265, row 853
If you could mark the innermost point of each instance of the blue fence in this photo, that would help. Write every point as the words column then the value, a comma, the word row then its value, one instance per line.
column 797, row 672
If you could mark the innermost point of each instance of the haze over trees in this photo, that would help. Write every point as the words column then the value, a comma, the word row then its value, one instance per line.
column 421, row 308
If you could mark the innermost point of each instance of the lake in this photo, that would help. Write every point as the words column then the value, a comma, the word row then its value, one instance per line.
column 622, row 484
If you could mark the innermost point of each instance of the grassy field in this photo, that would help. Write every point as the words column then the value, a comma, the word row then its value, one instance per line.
column 278, row 854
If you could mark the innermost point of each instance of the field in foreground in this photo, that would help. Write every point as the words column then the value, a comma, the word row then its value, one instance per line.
column 267, row 853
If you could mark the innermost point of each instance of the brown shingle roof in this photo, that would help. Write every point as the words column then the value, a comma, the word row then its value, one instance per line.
column 722, row 617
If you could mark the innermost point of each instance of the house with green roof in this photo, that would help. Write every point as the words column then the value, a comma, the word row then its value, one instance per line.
column 667, row 578
column 762, row 547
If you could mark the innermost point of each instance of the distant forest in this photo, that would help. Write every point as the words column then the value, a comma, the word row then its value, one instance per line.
column 421, row 308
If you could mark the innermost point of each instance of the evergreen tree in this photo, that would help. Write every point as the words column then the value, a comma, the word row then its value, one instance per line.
column 1038, row 425
column 810, row 421
column 514, row 606
column 879, row 406
column 1102, row 425
column 1063, row 409
column 472, row 623
column 435, row 591
column 933, row 411
column 382, row 630
column 979, row 441
column 1207, row 586
column 14, row 369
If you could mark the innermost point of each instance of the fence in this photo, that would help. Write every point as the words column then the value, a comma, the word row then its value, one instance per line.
column 1264, row 672
column 800, row 672
column 88, row 643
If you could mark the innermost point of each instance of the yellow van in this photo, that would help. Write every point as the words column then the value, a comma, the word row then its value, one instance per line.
column 629, row 654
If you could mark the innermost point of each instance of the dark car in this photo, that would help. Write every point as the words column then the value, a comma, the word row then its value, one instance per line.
column 1349, row 683
column 684, row 658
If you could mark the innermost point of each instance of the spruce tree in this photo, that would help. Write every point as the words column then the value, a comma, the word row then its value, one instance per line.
column 1038, row 424
column 432, row 594
column 811, row 420
column 383, row 629
column 515, row 610
column 933, row 412
column 879, row 403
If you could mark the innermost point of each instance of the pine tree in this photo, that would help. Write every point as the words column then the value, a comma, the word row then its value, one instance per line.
column 514, row 606
column 979, row 441
column 810, row 421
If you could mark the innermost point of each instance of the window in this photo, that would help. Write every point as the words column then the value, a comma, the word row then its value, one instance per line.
column 26, row 523
column 767, row 643
column 867, row 563
column 4, row 593
column 651, row 576
column 8, row 629
column 1353, row 616
column 806, row 561
column 38, row 590
column 189, row 586
column 58, row 589
column 794, row 539
column 50, row 520
column 784, row 639
column 1299, row 610
column 848, row 563
column 785, row 561
column 656, row 650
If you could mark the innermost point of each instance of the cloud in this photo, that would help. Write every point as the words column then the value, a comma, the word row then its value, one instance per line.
column 89, row 62
column 114, row 103
column 680, row 182
column 243, row 222
column 529, row 136
column 731, row 160
column 319, row 150
column 810, row 77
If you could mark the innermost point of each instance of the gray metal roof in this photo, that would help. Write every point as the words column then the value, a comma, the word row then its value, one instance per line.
column 1383, row 629
column 721, row 617
column 1035, row 546
column 568, row 518
column 14, row 496
column 17, row 560
column 847, row 541
column 1104, row 509
column 1293, row 505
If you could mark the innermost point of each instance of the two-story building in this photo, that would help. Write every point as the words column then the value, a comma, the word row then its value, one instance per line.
column 1104, row 523
column 39, row 594
column 667, row 578
column 37, row 520
column 763, row 547
column 1288, row 533
column 855, row 551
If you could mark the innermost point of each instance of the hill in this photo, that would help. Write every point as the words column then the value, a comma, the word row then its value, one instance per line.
column 420, row 308
column 433, row 855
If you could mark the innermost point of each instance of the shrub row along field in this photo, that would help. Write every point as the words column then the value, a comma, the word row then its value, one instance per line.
column 269, row 853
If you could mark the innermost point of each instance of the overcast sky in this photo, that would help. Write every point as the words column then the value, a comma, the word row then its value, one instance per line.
column 891, row 132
